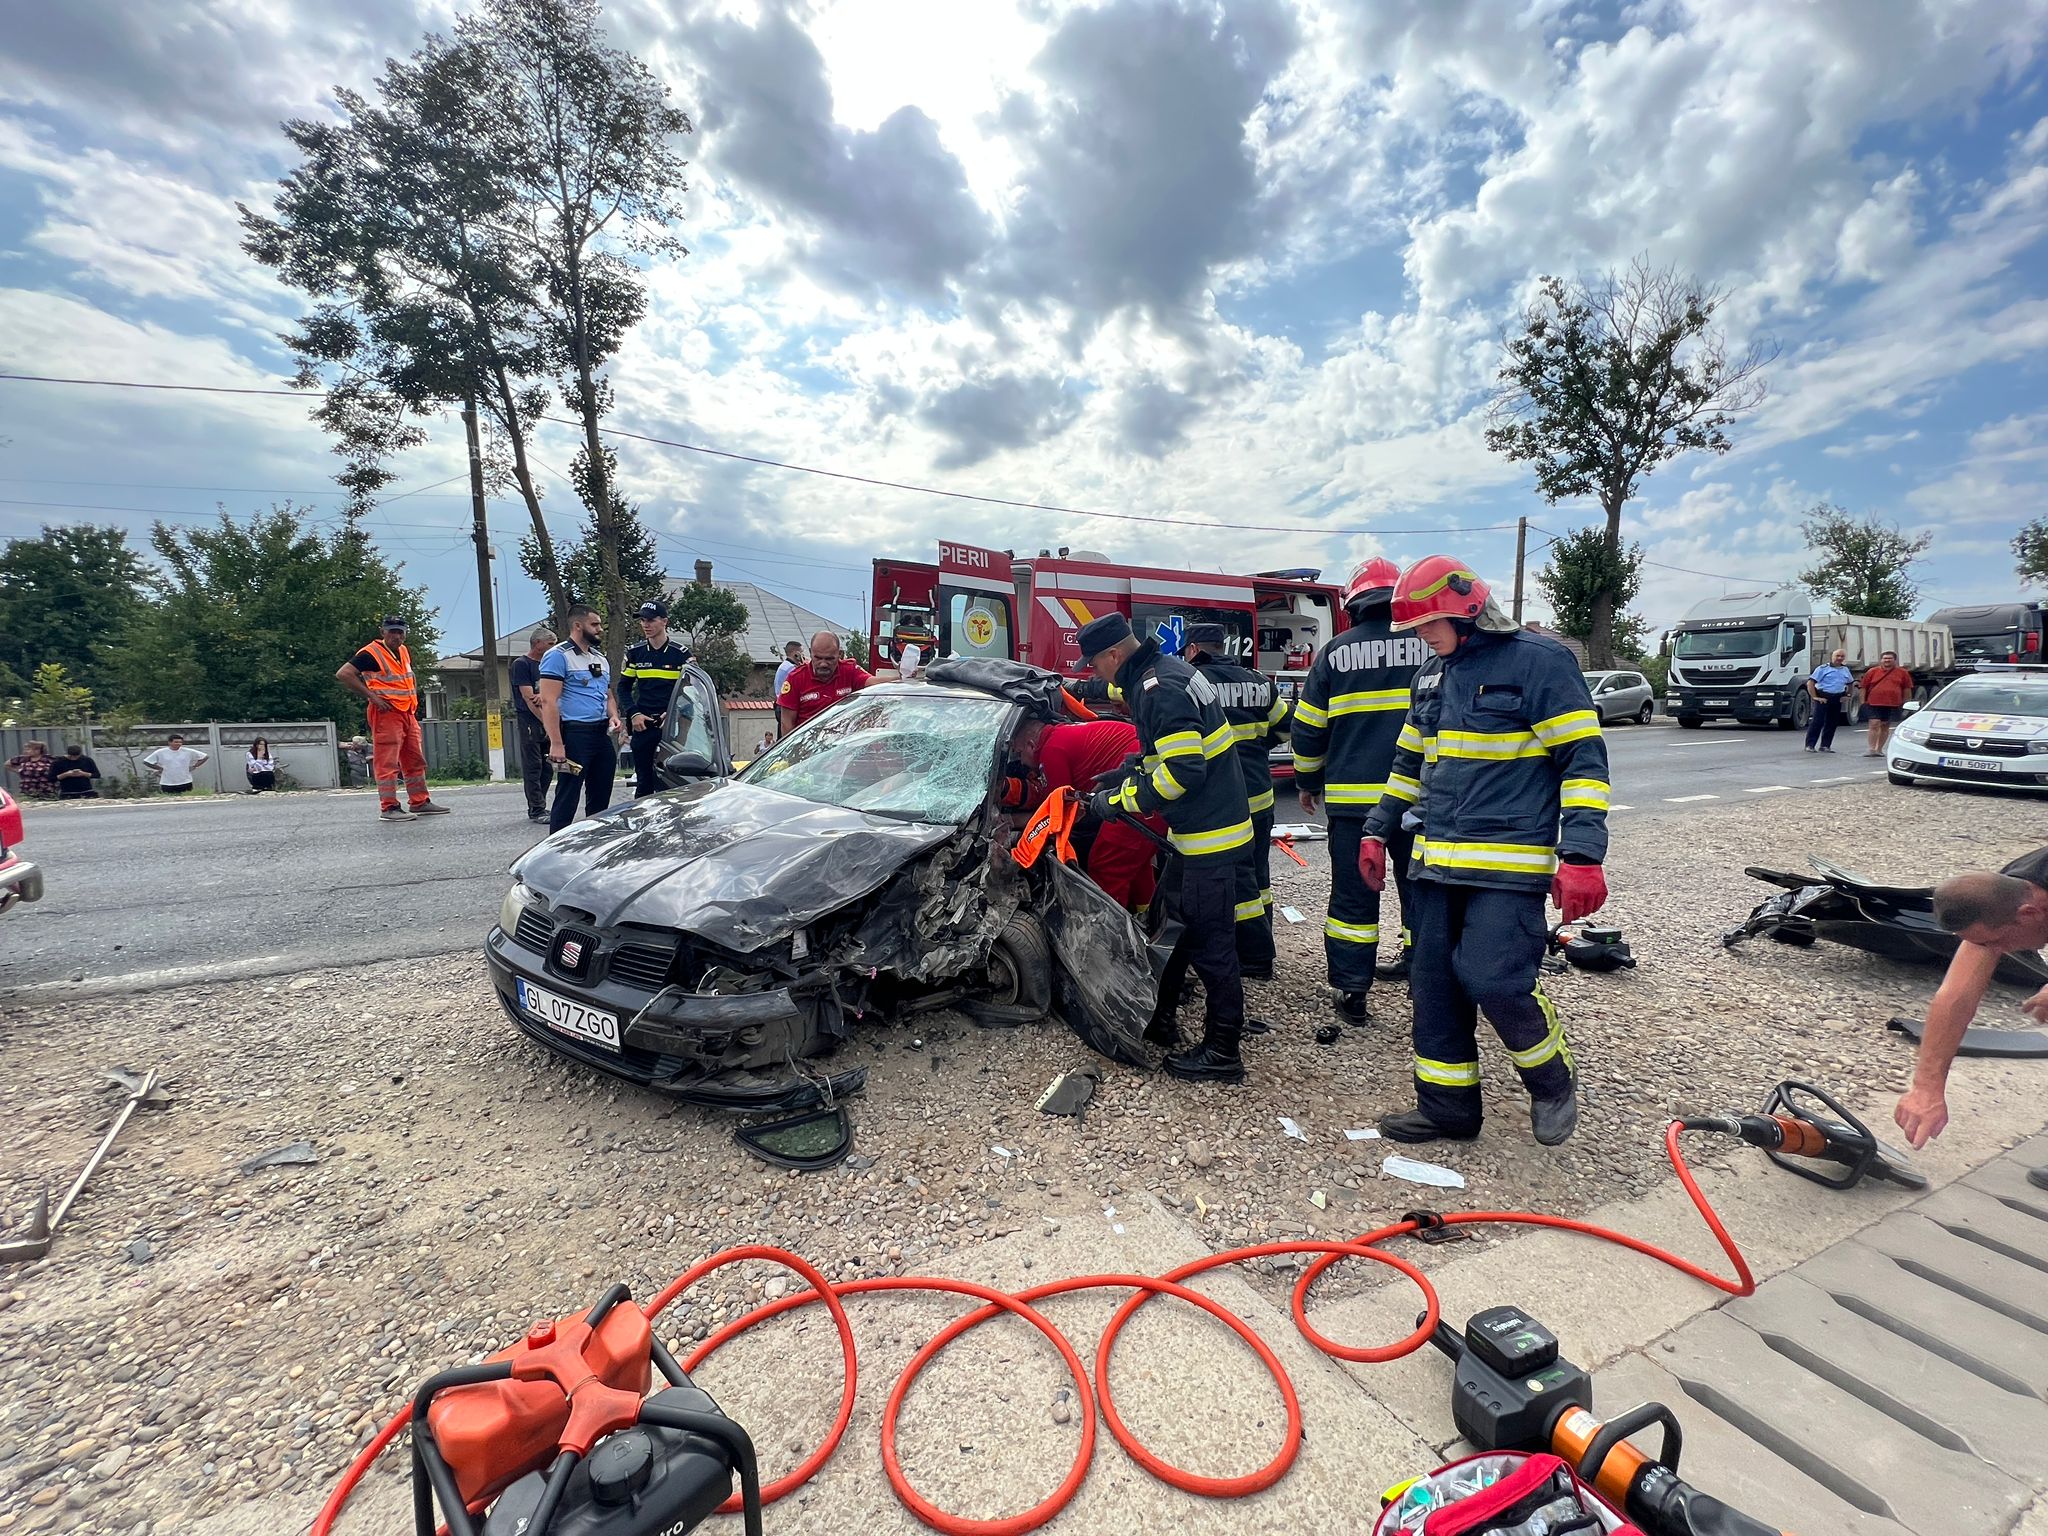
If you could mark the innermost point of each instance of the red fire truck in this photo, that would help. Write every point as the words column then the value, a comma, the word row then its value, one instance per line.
column 988, row 602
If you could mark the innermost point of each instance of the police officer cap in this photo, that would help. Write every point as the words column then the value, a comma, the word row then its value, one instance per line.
column 1100, row 634
column 654, row 610
column 1207, row 637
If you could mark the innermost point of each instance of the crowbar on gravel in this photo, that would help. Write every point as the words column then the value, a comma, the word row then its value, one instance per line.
column 43, row 1222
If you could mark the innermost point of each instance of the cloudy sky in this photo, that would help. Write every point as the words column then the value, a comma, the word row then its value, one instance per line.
column 1234, row 261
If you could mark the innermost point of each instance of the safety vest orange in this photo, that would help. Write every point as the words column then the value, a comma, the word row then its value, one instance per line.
column 392, row 682
column 1052, row 822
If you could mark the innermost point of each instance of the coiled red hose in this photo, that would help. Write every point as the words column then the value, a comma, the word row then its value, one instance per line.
column 1089, row 1395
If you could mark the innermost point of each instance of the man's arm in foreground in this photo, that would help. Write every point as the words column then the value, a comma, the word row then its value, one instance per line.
column 1923, row 1108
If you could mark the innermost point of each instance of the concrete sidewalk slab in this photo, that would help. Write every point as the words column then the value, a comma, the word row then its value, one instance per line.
column 1934, row 1253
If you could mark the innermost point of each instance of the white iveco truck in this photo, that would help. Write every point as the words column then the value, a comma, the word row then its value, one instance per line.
column 1746, row 656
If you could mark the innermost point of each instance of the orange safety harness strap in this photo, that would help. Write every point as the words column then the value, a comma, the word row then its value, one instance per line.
column 1053, row 822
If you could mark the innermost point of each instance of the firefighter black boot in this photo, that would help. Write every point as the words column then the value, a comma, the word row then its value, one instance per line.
column 1352, row 1008
column 1554, row 1120
column 1395, row 969
column 1215, row 1060
column 1413, row 1127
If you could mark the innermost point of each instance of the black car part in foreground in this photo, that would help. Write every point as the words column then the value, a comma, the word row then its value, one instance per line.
column 712, row 941
column 1843, row 907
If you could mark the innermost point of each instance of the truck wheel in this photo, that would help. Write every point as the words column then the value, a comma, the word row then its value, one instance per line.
column 1019, row 971
column 1643, row 714
column 1690, row 722
column 1802, row 706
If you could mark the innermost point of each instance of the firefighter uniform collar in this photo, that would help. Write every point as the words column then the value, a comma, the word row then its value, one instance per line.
column 1140, row 661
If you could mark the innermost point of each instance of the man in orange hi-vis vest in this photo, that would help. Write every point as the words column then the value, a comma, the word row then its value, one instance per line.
column 381, row 675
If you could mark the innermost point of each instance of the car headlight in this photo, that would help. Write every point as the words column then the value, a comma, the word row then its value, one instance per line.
column 2037, row 746
column 1919, row 733
column 516, row 901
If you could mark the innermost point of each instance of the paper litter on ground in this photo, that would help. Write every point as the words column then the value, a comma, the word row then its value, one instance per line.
column 1288, row 1125
column 1422, row 1173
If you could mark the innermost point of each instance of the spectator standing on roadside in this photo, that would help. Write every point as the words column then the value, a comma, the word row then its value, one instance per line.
column 76, row 775
column 380, row 674
column 172, row 764
column 810, row 690
column 1829, row 685
column 1886, row 687
column 647, row 680
column 534, row 768
column 581, row 717
column 261, row 767
column 37, row 771
column 792, row 658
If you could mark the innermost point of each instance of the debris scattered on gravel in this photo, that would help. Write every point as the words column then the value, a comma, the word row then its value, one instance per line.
column 297, row 1154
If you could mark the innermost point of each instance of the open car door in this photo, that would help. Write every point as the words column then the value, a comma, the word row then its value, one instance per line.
column 693, row 735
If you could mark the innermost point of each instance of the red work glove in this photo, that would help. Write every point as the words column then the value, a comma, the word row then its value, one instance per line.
column 1372, row 864
column 1579, row 890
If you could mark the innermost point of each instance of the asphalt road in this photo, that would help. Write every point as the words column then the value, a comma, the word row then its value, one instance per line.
column 168, row 892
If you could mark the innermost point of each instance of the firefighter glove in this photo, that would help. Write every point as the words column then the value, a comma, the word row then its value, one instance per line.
column 1102, row 805
column 1372, row 863
column 1579, row 890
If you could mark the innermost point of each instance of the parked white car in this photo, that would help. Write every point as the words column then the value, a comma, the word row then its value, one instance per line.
column 1622, row 696
column 1988, row 728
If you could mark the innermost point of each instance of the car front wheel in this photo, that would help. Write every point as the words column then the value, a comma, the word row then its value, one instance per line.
column 1018, row 978
column 1643, row 714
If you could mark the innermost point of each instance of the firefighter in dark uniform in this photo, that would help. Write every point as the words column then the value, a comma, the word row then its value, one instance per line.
column 1189, row 775
column 1352, row 710
column 1254, row 710
column 646, row 681
column 1513, row 793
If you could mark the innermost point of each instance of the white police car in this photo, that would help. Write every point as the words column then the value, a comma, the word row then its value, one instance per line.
column 1988, row 728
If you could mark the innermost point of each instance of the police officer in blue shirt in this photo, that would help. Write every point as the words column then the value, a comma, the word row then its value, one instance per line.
column 581, row 716
column 1829, row 685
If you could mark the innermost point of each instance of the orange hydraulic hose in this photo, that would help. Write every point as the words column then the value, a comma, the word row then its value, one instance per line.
column 1020, row 1304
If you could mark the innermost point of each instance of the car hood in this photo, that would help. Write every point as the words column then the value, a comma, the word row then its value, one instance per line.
column 734, row 864
column 1971, row 723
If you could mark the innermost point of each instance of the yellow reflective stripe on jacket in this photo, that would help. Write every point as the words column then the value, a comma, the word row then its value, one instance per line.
column 1279, row 711
column 1491, row 746
column 1372, row 701
column 1410, row 739
column 1307, row 764
column 1429, row 749
column 1572, row 725
column 1401, row 787
column 1218, row 741
column 1249, row 730
column 1511, row 858
column 1165, row 785
column 1583, row 794
column 1448, row 1074
column 1262, row 801
column 1222, row 840
column 671, row 673
column 1249, row 911
column 1354, row 794
column 1178, row 744
column 1306, row 713
column 1351, row 933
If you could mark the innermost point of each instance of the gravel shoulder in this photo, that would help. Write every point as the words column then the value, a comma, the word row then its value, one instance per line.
column 201, row 1339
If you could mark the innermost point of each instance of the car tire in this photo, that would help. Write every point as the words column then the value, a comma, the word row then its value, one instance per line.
column 1019, row 969
column 1690, row 722
column 1643, row 715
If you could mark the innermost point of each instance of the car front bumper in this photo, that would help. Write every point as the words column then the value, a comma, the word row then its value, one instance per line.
column 20, row 881
column 1909, row 759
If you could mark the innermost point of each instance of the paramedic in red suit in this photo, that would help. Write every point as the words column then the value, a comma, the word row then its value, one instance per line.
column 1121, row 862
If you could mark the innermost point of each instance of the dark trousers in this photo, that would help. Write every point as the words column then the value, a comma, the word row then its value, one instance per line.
column 534, row 768
column 1254, row 900
column 588, row 742
column 1820, row 727
column 1351, row 931
column 644, row 742
column 260, row 781
column 1477, row 948
column 1204, row 894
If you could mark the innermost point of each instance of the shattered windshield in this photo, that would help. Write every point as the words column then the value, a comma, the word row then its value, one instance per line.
column 1707, row 644
column 919, row 758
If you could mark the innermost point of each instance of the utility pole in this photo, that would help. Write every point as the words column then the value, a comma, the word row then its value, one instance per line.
column 1521, row 554
column 494, row 721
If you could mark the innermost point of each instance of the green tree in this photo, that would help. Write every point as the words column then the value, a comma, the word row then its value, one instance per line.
column 63, row 596
column 1863, row 562
column 1584, row 568
column 1601, row 383
column 54, row 699
column 256, row 616
column 640, row 575
column 2030, row 549
column 710, row 620
column 728, row 667
column 857, row 648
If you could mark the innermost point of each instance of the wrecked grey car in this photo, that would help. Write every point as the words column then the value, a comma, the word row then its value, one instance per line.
column 718, row 941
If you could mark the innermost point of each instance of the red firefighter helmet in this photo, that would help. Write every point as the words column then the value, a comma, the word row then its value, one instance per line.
column 1437, row 587
column 1372, row 582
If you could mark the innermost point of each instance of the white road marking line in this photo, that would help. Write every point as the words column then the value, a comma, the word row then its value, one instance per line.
column 1621, row 808
column 1764, row 789
column 1687, row 799
column 1840, row 778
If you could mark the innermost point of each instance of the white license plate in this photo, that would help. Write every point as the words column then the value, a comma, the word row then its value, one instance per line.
column 1982, row 765
column 566, row 1017
column 1715, row 703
